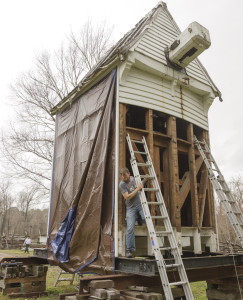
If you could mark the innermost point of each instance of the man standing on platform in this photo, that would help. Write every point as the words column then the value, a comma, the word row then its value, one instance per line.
column 134, row 210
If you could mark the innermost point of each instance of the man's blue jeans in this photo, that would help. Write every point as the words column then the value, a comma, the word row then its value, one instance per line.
column 132, row 214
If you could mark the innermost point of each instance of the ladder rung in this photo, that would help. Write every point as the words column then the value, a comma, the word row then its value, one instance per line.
column 166, row 248
column 65, row 279
column 172, row 266
column 178, row 283
column 220, row 180
column 154, row 203
column 136, row 141
column 140, row 152
column 158, row 233
column 222, row 190
column 158, row 217
column 150, row 190
column 147, row 177
column 199, row 142
column 144, row 164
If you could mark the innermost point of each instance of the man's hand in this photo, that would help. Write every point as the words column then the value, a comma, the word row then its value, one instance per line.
column 139, row 187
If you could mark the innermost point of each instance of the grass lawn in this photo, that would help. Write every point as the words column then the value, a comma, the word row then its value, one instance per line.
column 198, row 288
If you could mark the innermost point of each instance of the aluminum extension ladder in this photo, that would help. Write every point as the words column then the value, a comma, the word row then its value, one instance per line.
column 157, row 237
column 233, row 211
column 62, row 276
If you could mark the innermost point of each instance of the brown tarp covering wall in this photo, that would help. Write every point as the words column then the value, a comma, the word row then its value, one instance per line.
column 85, row 141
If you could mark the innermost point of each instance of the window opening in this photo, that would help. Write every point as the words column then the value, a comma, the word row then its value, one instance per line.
column 159, row 122
column 181, row 129
column 186, row 212
column 135, row 117
column 183, row 164
column 198, row 132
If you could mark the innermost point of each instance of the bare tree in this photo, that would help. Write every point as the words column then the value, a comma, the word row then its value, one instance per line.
column 227, row 236
column 25, row 201
column 28, row 146
column 236, row 185
column 6, row 201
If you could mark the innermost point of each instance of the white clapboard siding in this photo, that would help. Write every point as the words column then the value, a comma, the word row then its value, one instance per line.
column 160, row 34
column 150, row 91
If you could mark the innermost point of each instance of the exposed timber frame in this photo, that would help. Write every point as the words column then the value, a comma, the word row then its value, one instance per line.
column 180, row 171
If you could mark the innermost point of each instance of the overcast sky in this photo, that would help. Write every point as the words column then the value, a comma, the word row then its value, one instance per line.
column 29, row 26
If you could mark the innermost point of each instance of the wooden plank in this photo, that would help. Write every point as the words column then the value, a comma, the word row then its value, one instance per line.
column 150, row 144
column 122, row 163
column 184, row 190
column 81, row 297
column 149, row 128
column 202, row 193
column 134, row 294
column 209, row 203
column 24, row 279
column 158, row 174
column 173, row 174
column 101, row 284
column 27, row 295
column 182, row 147
column 193, row 179
column 121, row 281
column 62, row 296
column 214, row 273
column 215, row 294
column 232, row 282
column 157, row 163
column 161, row 141
column 166, row 179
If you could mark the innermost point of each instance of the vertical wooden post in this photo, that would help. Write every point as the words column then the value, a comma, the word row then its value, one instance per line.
column 122, row 164
column 202, row 193
column 150, row 128
column 150, row 142
column 193, row 178
column 157, row 163
column 173, row 174
column 210, row 215
column 166, row 182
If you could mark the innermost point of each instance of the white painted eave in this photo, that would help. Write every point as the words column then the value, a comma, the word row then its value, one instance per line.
column 142, row 62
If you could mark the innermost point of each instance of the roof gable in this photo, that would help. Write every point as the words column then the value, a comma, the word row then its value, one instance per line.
column 161, row 32
column 149, row 37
